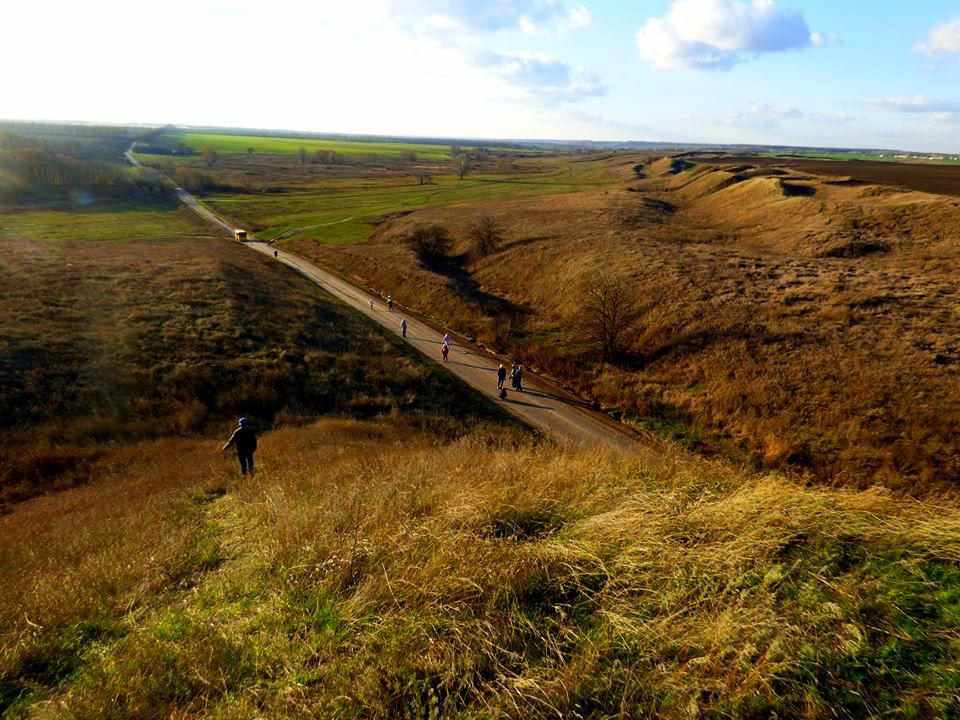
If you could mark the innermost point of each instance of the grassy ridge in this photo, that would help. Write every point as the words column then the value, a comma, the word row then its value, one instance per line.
column 290, row 146
column 369, row 572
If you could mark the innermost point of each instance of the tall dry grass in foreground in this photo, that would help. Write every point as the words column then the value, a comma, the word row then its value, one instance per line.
column 369, row 571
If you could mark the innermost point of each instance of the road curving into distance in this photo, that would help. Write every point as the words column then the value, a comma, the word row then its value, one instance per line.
column 539, row 405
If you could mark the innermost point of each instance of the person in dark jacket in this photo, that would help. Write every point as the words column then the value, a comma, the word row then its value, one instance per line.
column 245, row 440
column 519, row 378
column 501, row 376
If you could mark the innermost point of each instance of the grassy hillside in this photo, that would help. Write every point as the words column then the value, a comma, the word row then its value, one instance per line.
column 122, row 321
column 788, row 317
column 370, row 572
column 796, row 320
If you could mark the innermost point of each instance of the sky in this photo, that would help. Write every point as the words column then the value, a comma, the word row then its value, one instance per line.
column 837, row 73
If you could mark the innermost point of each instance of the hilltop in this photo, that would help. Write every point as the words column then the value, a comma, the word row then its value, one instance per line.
column 370, row 571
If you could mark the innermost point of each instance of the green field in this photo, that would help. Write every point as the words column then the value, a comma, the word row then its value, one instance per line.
column 341, row 211
column 111, row 222
column 223, row 143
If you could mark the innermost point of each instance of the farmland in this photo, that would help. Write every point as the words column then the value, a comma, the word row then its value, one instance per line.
column 272, row 144
column 338, row 204
column 936, row 178
column 347, row 211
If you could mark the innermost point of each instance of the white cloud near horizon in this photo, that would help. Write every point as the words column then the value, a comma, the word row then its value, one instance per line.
column 543, row 76
column 766, row 116
column 917, row 105
column 528, row 16
column 463, row 25
column 943, row 39
column 718, row 34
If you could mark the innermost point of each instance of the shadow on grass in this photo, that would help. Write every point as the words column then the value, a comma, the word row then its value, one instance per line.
column 454, row 269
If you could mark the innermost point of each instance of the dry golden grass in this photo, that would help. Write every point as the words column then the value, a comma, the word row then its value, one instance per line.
column 792, row 319
column 125, row 322
column 369, row 571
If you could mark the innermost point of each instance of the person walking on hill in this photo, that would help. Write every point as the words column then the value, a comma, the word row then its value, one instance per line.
column 501, row 376
column 390, row 303
column 445, row 351
column 371, row 305
column 513, row 376
column 245, row 440
column 403, row 327
column 518, row 378
column 446, row 338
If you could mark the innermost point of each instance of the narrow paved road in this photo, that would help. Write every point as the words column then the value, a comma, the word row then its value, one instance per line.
column 542, row 408
column 539, row 406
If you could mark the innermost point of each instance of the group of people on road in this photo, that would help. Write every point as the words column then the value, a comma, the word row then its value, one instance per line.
column 244, row 436
column 516, row 378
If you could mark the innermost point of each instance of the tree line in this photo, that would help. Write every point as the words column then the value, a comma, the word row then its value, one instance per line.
column 30, row 172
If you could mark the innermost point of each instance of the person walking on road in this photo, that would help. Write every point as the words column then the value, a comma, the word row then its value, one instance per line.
column 275, row 254
column 371, row 305
column 245, row 440
column 390, row 303
column 513, row 376
column 403, row 327
column 501, row 376
column 519, row 378
column 446, row 339
column 445, row 351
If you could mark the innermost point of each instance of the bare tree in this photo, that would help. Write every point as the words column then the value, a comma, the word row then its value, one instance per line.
column 210, row 157
column 486, row 236
column 250, row 151
column 609, row 310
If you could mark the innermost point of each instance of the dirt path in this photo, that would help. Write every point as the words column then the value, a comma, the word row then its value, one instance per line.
column 538, row 405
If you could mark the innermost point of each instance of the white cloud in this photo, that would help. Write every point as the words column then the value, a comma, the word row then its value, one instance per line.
column 528, row 16
column 542, row 76
column 942, row 39
column 761, row 115
column 717, row 34
column 578, row 18
column 764, row 116
column 918, row 105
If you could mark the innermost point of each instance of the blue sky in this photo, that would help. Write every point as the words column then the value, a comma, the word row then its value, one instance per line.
column 801, row 72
